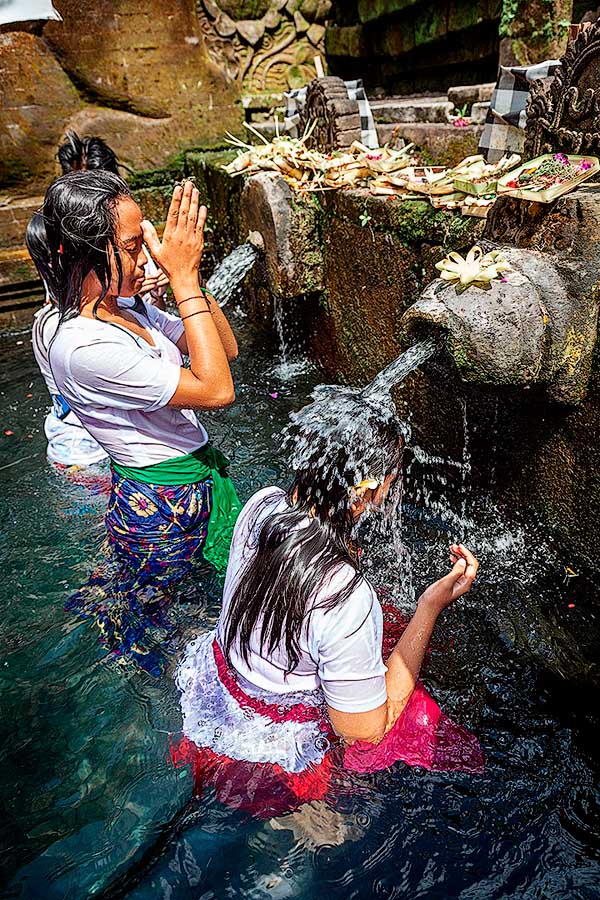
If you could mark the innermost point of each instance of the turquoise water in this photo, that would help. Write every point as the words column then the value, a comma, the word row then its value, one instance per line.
column 92, row 804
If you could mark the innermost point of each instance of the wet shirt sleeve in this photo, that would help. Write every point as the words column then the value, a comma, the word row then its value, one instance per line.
column 170, row 325
column 350, row 665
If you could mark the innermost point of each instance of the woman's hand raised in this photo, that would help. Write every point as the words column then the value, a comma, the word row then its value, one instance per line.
column 457, row 582
column 180, row 251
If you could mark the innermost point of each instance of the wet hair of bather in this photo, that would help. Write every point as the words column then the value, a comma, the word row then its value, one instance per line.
column 302, row 547
column 37, row 244
column 79, row 218
column 77, row 154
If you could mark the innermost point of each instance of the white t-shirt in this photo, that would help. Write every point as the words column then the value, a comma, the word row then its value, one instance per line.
column 69, row 443
column 119, row 386
column 340, row 648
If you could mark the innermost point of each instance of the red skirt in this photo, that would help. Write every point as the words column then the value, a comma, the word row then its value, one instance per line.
column 267, row 756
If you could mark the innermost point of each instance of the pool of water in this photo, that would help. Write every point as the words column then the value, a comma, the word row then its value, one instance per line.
column 93, row 807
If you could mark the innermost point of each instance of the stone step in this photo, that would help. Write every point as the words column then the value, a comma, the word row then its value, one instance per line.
column 16, row 268
column 420, row 108
column 21, row 291
column 15, row 213
column 468, row 94
column 442, row 143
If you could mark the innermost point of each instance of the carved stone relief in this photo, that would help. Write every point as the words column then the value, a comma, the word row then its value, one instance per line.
column 565, row 115
column 337, row 117
column 270, row 53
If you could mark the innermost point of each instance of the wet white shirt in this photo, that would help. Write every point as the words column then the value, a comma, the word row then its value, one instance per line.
column 69, row 443
column 119, row 386
column 340, row 648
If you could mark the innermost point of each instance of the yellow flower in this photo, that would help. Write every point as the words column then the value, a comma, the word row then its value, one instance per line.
column 141, row 505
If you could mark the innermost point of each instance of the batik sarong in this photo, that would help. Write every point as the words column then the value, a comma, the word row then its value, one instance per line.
column 155, row 537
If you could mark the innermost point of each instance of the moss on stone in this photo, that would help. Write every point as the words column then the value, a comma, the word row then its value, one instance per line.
column 537, row 29
column 220, row 193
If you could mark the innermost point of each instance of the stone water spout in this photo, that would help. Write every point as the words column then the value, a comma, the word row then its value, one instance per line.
column 536, row 326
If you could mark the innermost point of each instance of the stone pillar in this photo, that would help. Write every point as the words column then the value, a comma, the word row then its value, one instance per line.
column 533, row 30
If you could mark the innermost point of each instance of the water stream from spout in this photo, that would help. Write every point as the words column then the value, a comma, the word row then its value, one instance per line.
column 341, row 421
column 229, row 275
column 284, row 349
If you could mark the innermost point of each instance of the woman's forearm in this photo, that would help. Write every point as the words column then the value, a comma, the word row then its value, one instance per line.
column 404, row 663
column 209, row 382
column 224, row 328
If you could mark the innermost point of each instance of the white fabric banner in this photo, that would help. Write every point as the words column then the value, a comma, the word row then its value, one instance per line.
column 26, row 10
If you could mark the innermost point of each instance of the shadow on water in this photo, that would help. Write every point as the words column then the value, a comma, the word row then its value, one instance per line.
column 89, row 791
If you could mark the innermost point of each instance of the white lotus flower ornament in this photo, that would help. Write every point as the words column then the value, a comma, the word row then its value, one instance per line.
column 476, row 269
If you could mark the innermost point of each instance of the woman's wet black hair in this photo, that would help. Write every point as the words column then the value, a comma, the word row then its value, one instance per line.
column 84, row 154
column 37, row 244
column 79, row 219
column 300, row 549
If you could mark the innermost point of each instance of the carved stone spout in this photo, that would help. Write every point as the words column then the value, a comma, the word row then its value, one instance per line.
column 538, row 325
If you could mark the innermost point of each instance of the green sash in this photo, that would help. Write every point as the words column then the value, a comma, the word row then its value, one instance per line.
column 206, row 462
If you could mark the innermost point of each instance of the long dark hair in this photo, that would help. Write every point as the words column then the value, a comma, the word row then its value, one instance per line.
column 79, row 221
column 81, row 154
column 300, row 549
column 37, row 244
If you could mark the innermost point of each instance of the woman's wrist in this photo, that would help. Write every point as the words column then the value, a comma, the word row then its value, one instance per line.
column 185, row 287
column 430, row 604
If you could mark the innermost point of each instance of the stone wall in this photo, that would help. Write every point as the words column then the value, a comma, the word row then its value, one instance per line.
column 139, row 76
column 152, row 79
column 405, row 46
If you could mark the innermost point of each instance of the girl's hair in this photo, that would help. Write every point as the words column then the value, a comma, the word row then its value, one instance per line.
column 37, row 244
column 300, row 549
column 81, row 154
column 79, row 221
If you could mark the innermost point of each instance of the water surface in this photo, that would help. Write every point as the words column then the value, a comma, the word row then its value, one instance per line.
column 89, row 794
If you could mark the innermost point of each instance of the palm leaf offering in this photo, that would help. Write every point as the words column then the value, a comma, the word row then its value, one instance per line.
column 309, row 170
column 474, row 269
column 470, row 187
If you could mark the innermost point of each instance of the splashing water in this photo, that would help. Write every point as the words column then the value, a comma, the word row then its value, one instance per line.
column 291, row 362
column 339, row 414
column 228, row 276
column 342, row 422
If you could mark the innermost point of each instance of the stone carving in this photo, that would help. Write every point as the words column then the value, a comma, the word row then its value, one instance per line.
column 565, row 114
column 538, row 326
column 270, row 53
column 337, row 117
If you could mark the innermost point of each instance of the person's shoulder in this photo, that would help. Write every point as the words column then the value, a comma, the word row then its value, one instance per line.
column 270, row 492
column 362, row 596
column 260, row 504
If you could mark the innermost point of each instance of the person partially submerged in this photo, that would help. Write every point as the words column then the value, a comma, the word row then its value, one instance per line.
column 293, row 680
column 121, row 372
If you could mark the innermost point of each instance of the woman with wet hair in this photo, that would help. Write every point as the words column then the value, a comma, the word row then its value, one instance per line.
column 69, row 443
column 294, row 681
column 120, row 371
column 89, row 154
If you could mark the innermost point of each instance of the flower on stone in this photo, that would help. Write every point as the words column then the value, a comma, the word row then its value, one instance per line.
column 141, row 505
column 585, row 165
column 475, row 268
